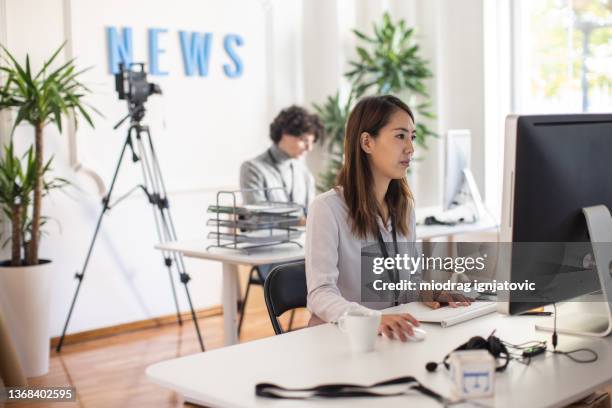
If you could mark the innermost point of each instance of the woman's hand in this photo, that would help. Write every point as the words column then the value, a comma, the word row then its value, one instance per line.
column 397, row 326
column 453, row 300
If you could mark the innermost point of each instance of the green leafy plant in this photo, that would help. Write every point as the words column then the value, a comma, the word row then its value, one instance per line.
column 17, row 183
column 40, row 99
column 333, row 114
column 388, row 63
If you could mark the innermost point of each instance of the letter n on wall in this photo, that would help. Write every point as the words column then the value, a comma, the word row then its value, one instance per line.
column 120, row 48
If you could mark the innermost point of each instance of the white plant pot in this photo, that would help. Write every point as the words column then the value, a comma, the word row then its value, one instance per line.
column 25, row 294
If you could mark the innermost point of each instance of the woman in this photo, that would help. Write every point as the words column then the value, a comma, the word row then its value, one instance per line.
column 371, row 203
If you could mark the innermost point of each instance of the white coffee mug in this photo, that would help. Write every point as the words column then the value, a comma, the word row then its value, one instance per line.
column 361, row 325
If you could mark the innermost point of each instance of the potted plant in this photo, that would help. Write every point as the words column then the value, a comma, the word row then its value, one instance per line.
column 40, row 99
column 24, row 290
column 388, row 62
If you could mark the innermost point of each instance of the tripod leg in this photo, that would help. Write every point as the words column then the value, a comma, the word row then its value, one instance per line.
column 185, row 279
column 152, row 190
column 165, row 225
column 81, row 275
column 168, row 263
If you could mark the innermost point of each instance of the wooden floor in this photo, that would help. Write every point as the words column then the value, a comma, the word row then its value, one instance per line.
column 109, row 372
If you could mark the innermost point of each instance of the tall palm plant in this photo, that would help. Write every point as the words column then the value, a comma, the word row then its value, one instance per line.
column 17, row 182
column 40, row 99
column 16, row 187
column 386, row 62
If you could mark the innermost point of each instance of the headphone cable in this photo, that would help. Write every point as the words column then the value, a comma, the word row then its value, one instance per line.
column 568, row 354
column 554, row 335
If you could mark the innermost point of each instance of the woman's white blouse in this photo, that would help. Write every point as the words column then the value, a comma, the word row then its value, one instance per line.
column 333, row 259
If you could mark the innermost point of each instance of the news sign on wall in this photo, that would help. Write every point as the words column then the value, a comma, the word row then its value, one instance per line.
column 208, row 57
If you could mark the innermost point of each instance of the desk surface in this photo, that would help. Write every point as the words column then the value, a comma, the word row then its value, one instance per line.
column 427, row 232
column 272, row 254
column 227, row 377
column 291, row 252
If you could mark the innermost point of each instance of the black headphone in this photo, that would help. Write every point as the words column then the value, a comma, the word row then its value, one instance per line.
column 492, row 344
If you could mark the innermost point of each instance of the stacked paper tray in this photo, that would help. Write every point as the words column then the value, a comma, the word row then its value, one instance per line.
column 277, row 235
column 255, row 224
column 270, row 208
column 249, row 226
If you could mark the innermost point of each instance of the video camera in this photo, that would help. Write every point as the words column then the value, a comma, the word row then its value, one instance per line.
column 132, row 84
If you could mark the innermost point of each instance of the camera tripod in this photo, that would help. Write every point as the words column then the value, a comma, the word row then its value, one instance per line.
column 140, row 144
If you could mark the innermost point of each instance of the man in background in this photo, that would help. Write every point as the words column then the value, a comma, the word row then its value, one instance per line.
column 293, row 132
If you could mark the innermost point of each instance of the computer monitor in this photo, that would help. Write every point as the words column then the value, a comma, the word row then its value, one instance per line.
column 461, row 201
column 555, row 165
column 458, row 147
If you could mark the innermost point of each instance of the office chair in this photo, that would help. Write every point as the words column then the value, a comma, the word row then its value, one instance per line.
column 255, row 278
column 285, row 289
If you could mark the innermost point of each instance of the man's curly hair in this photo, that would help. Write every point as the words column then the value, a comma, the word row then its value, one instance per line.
column 295, row 121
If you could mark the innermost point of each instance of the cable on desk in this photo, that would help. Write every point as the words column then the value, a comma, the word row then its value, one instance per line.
column 568, row 354
column 526, row 344
column 554, row 335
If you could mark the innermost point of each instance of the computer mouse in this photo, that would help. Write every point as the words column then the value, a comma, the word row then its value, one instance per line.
column 419, row 334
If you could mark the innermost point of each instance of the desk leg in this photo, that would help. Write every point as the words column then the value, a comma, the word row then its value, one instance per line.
column 426, row 247
column 230, row 284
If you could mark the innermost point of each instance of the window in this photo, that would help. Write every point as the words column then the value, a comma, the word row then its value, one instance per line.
column 562, row 56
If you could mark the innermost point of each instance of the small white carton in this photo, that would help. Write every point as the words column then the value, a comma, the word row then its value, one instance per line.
column 472, row 373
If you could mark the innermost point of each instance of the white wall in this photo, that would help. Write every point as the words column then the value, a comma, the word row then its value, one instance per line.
column 457, row 48
column 195, row 130
column 4, row 116
column 451, row 37
column 497, row 99
column 287, row 61
column 299, row 52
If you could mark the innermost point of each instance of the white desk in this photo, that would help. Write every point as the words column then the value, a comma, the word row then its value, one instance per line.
column 280, row 254
column 231, row 259
column 428, row 232
column 226, row 377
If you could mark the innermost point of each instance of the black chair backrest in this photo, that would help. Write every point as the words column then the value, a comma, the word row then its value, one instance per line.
column 285, row 289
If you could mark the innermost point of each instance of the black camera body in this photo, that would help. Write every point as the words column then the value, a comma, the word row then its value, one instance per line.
column 131, row 84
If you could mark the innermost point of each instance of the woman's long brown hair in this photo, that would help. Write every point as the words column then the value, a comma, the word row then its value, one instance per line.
column 370, row 115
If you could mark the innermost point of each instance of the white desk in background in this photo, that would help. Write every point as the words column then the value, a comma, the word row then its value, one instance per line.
column 231, row 259
column 280, row 254
column 426, row 233
column 226, row 377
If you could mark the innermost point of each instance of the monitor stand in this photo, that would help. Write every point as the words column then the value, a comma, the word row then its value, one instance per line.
column 591, row 315
column 467, row 207
column 479, row 207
